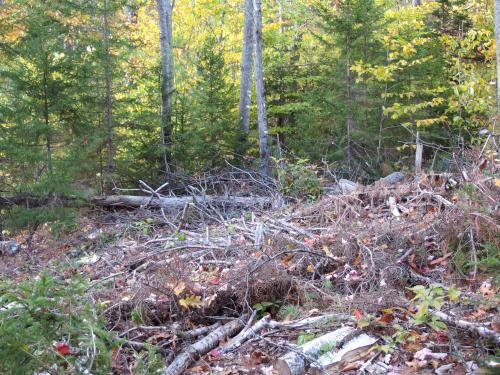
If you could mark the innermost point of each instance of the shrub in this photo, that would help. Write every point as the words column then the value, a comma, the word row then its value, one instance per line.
column 48, row 324
column 299, row 178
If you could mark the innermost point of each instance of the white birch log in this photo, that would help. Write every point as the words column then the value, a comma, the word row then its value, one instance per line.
column 179, row 202
column 266, row 322
column 296, row 362
column 184, row 360
column 350, row 352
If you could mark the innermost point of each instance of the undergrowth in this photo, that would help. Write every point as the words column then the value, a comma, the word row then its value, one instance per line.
column 47, row 324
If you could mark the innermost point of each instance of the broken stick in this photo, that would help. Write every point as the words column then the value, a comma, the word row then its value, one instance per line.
column 184, row 360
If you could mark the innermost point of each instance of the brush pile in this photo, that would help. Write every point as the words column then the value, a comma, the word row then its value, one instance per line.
column 393, row 277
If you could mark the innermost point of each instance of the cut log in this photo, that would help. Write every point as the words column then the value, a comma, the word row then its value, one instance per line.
column 352, row 351
column 184, row 360
column 180, row 202
column 296, row 362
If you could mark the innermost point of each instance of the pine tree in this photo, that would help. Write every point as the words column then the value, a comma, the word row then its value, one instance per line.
column 342, row 117
column 213, row 133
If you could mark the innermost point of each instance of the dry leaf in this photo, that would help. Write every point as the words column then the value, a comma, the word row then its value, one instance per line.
column 191, row 301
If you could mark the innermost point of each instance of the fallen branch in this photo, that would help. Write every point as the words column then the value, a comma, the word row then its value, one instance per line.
column 136, row 345
column 479, row 329
column 266, row 322
column 179, row 202
column 313, row 320
column 244, row 335
column 193, row 333
column 296, row 362
column 184, row 360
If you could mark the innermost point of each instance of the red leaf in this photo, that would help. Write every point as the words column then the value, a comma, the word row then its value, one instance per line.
column 358, row 314
column 215, row 281
column 63, row 348
column 386, row 318
column 214, row 352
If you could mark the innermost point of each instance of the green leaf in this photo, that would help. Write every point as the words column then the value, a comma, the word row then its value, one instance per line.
column 327, row 347
column 305, row 337
column 453, row 294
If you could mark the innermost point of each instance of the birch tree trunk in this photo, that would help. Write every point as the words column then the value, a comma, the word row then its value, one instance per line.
column 497, row 38
column 246, row 68
column 165, row 8
column 260, row 90
column 110, row 167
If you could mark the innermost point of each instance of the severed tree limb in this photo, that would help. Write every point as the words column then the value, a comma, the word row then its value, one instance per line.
column 180, row 202
column 244, row 335
column 266, row 322
column 296, row 362
column 479, row 329
column 184, row 360
column 193, row 333
column 313, row 320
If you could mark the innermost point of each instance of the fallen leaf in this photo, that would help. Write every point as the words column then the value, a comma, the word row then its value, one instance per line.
column 191, row 301
column 179, row 288
column 63, row 348
column 358, row 314
column 386, row 318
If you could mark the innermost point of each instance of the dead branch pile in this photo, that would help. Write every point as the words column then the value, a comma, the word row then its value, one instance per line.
column 187, row 271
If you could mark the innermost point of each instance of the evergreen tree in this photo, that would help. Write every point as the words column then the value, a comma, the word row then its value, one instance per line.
column 214, row 132
column 342, row 119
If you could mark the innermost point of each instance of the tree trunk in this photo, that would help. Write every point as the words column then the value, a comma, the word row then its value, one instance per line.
column 110, row 167
column 48, row 137
column 260, row 90
column 246, row 68
column 165, row 8
column 349, row 118
column 418, row 155
column 497, row 38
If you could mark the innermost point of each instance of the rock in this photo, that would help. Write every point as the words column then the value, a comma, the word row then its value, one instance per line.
column 394, row 178
column 9, row 247
column 343, row 187
column 347, row 186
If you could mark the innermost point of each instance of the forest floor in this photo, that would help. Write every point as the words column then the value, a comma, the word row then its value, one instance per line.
column 409, row 269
